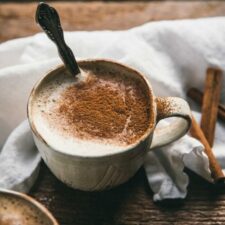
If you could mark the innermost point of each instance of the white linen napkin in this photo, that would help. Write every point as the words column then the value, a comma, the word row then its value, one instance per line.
column 174, row 56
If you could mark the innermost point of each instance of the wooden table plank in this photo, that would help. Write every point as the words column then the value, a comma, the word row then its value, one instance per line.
column 17, row 20
column 131, row 203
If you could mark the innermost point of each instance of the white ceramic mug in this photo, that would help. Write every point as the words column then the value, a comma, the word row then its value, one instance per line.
column 109, row 170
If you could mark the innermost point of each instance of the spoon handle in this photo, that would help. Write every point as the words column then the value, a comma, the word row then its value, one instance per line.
column 48, row 18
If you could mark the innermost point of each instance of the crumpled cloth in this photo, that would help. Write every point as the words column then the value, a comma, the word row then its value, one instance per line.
column 174, row 56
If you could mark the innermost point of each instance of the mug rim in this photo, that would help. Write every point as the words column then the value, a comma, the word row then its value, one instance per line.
column 123, row 151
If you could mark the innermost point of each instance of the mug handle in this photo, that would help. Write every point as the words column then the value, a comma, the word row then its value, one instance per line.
column 171, row 107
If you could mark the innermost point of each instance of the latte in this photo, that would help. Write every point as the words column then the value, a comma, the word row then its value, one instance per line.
column 106, row 112
column 17, row 211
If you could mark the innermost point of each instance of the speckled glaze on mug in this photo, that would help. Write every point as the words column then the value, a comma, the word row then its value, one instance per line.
column 93, row 173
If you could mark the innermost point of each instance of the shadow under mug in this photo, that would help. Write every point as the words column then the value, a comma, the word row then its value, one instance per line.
column 92, row 173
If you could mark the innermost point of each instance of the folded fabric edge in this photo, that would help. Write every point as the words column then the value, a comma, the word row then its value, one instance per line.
column 25, row 183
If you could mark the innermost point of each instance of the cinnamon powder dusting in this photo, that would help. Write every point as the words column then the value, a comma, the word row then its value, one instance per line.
column 164, row 107
column 105, row 107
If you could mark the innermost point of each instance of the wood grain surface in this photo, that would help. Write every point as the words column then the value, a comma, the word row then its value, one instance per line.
column 131, row 203
column 17, row 20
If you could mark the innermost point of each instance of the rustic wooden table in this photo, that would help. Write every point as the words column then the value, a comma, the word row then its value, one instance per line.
column 131, row 203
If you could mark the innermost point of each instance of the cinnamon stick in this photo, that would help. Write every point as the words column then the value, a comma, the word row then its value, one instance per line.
column 197, row 96
column 216, row 171
column 210, row 103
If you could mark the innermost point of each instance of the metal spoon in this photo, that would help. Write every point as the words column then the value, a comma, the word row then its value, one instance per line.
column 48, row 18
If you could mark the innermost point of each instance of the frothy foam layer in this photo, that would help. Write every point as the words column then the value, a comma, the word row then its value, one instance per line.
column 106, row 112
column 16, row 211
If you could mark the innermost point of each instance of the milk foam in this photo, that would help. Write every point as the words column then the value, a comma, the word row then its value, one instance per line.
column 47, row 99
column 14, row 210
